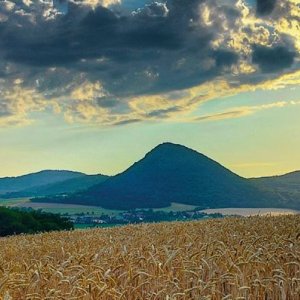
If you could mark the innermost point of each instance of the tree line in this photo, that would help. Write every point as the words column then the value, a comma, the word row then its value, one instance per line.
column 14, row 221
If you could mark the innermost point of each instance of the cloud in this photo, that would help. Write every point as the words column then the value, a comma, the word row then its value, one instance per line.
column 126, row 122
column 98, row 63
column 95, row 3
column 88, row 92
column 239, row 112
column 16, row 103
column 265, row 7
column 273, row 59
column 225, row 115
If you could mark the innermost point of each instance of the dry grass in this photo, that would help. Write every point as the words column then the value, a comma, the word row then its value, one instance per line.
column 246, row 258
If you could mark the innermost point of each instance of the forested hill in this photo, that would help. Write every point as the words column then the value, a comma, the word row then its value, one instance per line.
column 172, row 173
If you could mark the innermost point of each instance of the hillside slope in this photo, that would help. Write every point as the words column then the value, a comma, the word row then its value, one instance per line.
column 72, row 185
column 173, row 173
column 15, row 184
column 285, row 187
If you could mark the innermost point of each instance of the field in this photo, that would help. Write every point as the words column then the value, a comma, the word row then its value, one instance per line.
column 176, row 207
column 72, row 209
column 89, row 226
column 231, row 258
column 246, row 212
column 57, row 208
column 14, row 202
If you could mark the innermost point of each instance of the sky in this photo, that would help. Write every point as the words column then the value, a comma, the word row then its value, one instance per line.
column 93, row 85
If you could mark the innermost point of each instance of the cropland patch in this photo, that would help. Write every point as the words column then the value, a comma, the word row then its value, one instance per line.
column 231, row 258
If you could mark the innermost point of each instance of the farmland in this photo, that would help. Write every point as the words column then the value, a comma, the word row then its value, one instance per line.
column 71, row 209
column 231, row 258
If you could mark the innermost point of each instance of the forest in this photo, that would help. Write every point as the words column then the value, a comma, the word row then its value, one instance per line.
column 14, row 221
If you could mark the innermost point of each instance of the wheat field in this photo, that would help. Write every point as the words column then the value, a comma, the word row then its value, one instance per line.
column 232, row 258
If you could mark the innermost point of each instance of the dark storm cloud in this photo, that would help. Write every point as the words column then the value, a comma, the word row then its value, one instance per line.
column 265, row 7
column 273, row 59
column 225, row 58
column 116, row 56
column 156, row 48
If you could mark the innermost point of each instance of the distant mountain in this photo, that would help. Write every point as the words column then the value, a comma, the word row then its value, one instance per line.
column 285, row 187
column 16, row 184
column 173, row 173
column 68, row 186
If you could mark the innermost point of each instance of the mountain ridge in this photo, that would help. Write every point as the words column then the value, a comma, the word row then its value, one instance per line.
column 286, row 187
column 168, row 173
column 285, row 175
column 72, row 185
column 14, row 184
column 41, row 172
column 172, row 173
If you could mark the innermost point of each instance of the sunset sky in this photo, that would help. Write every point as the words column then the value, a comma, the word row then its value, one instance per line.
column 92, row 85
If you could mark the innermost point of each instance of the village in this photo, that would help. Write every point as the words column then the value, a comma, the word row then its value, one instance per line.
column 137, row 216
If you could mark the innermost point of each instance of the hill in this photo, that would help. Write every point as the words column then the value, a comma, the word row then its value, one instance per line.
column 285, row 187
column 68, row 186
column 16, row 184
column 231, row 258
column 172, row 173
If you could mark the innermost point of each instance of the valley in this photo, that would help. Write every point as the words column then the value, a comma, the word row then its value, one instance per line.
column 168, row 173
column 171, row 183
column 83, row 216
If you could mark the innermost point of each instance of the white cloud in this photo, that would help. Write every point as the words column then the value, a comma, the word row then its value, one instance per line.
column 95, row 3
